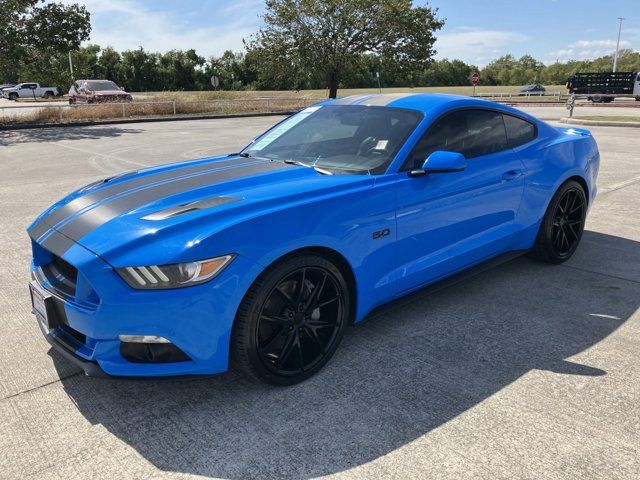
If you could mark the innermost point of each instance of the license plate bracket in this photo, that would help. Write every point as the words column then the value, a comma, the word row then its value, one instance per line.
column 42, row 307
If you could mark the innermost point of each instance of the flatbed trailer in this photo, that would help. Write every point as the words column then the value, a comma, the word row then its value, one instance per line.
column 605, row 86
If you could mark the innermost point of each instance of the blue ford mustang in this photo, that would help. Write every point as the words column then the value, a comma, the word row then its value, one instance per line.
column 259, row 260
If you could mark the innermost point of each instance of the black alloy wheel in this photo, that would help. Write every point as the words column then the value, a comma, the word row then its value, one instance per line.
column 291, row 321
column 562, row 225
column 568, row 220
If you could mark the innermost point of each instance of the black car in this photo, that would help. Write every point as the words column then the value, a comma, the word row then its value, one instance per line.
column 533, row 88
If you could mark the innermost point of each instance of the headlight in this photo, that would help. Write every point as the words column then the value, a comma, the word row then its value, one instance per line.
column 154, row 277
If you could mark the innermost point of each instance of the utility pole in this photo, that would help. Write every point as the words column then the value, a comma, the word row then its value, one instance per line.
column 615, row 59
column 71, row 65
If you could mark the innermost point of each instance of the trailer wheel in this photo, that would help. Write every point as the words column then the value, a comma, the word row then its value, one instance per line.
column 596, row 99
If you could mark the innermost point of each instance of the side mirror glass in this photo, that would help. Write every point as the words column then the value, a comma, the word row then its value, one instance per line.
column 441, row 161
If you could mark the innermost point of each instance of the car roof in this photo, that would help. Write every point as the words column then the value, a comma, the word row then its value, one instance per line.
column 427, row 103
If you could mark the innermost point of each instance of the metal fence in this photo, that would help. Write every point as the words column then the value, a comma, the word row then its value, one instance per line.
column 48, row 113
column 556, row 96
column 161, row 108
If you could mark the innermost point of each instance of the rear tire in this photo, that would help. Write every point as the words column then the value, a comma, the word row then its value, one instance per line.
column 562, row 226
column 290, row 321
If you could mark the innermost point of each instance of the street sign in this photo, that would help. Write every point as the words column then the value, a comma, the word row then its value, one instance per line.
column 215, row 81
column 475, row 78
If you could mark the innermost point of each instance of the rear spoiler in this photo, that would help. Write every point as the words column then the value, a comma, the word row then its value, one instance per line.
column 574, row 131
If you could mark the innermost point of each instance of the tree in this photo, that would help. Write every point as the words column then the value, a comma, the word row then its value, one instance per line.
column 34, row 38
column 110, row 65
column 327, row 37
column 86, row 63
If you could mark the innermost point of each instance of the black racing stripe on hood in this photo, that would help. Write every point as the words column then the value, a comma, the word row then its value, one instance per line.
column 57, row 243
column 38, row 230
column 86, row 222
column 84, row 201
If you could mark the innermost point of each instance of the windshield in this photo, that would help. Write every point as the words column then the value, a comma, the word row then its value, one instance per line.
column 339, row 138
column 101, row 85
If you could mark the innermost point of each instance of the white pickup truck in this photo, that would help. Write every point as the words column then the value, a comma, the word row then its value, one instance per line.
column 29, row 90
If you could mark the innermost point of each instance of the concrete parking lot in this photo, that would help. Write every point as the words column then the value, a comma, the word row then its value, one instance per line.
column 527, row 371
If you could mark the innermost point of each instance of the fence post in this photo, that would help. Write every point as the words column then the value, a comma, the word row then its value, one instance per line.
column 571, row 104
column 124, row 112
column 174, row 108
column 60, row 108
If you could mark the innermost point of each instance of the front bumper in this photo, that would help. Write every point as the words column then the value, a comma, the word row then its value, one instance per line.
column 90, row 369
column 197, row 320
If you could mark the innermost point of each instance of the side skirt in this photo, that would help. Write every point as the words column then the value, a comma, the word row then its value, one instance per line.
column 444, row 283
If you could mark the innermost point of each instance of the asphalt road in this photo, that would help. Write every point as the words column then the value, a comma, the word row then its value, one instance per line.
column 526, row 371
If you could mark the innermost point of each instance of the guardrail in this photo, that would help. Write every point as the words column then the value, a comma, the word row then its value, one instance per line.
column 161, row 108
column 558, row 96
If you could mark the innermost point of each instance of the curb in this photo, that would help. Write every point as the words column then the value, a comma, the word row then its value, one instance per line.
column 28, row 126
column 599, row 123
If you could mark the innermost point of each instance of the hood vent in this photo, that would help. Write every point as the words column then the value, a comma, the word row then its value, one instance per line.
column 190, row 207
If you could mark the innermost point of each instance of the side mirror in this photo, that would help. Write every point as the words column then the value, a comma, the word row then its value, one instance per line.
column 441, row 161
column 122, row 88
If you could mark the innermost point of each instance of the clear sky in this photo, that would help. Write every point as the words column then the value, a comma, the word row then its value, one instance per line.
column 476, row 31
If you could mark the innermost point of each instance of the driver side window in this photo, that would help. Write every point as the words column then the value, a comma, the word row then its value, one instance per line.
column 472, row 132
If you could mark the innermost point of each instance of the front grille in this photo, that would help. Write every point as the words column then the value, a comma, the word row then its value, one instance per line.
column 71, row 339
column 62, row 276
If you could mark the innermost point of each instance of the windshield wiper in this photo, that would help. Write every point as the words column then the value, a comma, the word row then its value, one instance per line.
column 248, row 155
column 302, row 164
column 296, row 162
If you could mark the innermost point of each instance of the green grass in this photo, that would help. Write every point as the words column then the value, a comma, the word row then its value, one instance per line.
column 610, row 118
column 247, row 94
column 232, row 102
column 142, row 109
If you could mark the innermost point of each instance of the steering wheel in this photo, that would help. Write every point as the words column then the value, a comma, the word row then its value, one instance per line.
column 372, row 146
column 367, row 146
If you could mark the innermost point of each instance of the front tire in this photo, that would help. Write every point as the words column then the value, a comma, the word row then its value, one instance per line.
column 562, row 226
column 290, row 321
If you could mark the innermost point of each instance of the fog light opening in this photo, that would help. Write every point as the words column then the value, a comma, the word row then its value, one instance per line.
column 158, row 351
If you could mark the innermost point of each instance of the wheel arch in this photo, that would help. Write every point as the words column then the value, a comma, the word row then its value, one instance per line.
column 335, row 257
column 582, row 182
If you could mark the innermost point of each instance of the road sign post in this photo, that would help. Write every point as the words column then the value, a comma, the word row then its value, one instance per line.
column 475, row 78
column 215, row 82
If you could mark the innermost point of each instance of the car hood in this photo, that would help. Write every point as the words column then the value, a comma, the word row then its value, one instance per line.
column 176, row 205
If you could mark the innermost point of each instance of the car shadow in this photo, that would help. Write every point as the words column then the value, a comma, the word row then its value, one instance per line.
column 57, row 134
column 396, row 377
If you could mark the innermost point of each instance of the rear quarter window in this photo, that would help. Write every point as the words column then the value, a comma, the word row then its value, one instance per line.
column 519, row 131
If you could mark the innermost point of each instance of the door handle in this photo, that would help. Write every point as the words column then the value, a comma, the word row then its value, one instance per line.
column 511, row 175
